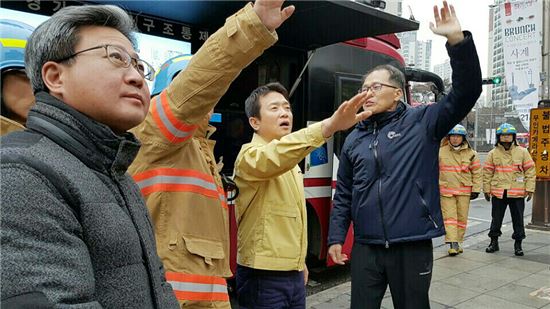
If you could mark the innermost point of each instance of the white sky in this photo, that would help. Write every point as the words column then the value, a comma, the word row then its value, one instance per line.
column 473, row 16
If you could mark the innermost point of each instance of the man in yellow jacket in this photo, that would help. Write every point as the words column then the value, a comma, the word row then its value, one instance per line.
column 508, row 177
column 271, row 211
column 175, row 168
column 459, row 182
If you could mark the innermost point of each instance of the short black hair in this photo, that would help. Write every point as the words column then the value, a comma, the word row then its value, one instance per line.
column 396, row 76
column 252, row 104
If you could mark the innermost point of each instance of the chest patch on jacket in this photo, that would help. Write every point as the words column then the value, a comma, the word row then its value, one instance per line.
column 393, row 134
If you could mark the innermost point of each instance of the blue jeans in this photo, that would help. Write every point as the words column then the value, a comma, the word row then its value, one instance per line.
column 266, row 289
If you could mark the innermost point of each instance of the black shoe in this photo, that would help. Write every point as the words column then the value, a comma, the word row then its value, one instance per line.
column 517, row 248
column 493, row 246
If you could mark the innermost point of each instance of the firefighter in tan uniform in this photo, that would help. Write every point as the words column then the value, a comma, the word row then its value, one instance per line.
column 459, row 182
column 175, row 168
column 17, row 95
column 508, row 177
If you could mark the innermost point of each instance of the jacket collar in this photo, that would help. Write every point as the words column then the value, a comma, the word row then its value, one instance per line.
column 205, row 131
column 258, row 140
column 382, row 119
column 499, row 146
column 94, row 143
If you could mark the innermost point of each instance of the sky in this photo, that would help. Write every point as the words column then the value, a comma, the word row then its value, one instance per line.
column 473, row 16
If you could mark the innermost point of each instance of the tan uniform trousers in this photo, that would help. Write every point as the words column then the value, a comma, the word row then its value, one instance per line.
column 455, row 216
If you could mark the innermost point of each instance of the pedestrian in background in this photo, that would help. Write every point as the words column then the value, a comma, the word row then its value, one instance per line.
column 508, row 178
column 459, row 182
column 388, row 177
column 17, row 95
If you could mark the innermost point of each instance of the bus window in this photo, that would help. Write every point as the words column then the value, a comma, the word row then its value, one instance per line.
column 347, row 86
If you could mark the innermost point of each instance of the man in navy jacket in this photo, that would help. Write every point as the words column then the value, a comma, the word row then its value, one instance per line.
column 388, row 177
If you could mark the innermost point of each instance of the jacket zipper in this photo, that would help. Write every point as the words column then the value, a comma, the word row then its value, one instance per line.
column 379, row 197
column 425, row 205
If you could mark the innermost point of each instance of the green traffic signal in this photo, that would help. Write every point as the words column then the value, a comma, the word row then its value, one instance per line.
column 495, row 80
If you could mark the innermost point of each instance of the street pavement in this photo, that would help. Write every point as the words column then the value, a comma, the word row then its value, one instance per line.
column 475, row 279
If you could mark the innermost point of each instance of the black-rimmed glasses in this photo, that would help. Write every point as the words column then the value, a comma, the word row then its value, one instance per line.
column 375, row 87
column 120, row 57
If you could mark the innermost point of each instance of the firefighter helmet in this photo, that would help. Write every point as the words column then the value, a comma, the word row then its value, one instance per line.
column 14, row 36
column 506, row 128
column 168, row 71
column 458, row 130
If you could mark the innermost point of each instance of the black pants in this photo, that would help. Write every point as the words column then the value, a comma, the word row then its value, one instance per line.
column 498, row 209
column 268, row 289
column 406, row 267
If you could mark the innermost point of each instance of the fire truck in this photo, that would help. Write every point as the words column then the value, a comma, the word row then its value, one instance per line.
column 322, row 53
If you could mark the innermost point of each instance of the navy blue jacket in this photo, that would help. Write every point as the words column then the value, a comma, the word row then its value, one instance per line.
column 388, row 177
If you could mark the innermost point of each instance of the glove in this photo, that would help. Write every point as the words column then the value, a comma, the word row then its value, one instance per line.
column 487, row 197
column 474, row 195
column 529, row 196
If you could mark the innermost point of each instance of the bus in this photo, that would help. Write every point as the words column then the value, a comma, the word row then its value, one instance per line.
column 322, row 53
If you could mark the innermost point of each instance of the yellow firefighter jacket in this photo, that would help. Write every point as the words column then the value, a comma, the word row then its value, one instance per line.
column 176, row 170
column 271, row 211
column 459, row 170
column 8, row 126
column 511, row 170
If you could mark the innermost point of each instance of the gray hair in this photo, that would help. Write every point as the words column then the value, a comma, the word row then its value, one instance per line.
column 396, row 76
column 57, row 37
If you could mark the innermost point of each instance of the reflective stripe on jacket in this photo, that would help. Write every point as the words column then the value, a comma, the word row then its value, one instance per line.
column 271, row 210
column 198, row 287
column 512, row 170
column 175, row 168
column 459, row 170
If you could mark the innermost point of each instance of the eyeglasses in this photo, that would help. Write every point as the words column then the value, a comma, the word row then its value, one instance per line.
column 121, row 58
column 376, row 87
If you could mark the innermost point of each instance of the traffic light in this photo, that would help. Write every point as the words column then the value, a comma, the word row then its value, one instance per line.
column 495, row 80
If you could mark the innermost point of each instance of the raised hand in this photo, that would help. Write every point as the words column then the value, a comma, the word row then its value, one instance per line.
column 446, row 24
column 271, row 13
column 346, row 115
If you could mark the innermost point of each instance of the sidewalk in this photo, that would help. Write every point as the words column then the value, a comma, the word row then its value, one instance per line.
column 476, row 279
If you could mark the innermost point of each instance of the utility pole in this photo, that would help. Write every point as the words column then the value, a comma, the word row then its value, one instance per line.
column 545, row 72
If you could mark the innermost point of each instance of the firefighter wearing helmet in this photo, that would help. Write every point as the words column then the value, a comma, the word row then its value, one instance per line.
column 508, row 177
column 17, row 95
column 459, row 182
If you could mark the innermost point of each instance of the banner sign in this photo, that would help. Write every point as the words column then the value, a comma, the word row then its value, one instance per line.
column 540, row 141
column 522, row 41
column 146, row 24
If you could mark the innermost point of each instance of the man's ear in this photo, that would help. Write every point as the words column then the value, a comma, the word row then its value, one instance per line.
column 254, row 123
column 398, row 94
column 52, row 75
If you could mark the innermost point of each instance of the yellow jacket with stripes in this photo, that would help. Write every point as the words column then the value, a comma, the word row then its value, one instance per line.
column 512, row 170
column 7, row 126
column 459, row 170
column 271, row 210
column 175, row 168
